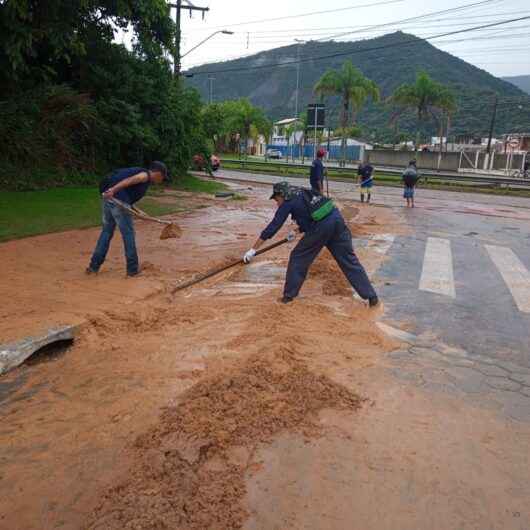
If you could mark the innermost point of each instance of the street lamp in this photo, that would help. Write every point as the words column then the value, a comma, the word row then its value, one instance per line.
column 223, row 31
column 298, row 41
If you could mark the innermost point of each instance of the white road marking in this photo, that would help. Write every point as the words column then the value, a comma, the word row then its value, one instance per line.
column 437, row 274
column 514, row 274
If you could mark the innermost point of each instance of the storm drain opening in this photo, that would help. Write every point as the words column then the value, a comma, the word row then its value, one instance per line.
column 50, row 352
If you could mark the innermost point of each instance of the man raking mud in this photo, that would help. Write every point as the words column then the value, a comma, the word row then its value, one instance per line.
column 323, row 226
column 127, row 185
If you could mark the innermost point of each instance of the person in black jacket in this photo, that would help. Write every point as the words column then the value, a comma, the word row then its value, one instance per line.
column 317, row 173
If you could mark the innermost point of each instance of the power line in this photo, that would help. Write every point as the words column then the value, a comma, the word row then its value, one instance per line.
column 289, row 38
column 419, row 17
column 327, row 29
column 286, row 42
column 357, row 51
column 313, row 13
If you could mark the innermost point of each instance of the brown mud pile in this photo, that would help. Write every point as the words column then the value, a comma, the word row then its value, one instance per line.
column 189, row 470
column 171, row 231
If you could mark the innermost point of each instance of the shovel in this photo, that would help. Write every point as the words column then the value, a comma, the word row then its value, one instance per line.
column 170, row 231
column 222, row 268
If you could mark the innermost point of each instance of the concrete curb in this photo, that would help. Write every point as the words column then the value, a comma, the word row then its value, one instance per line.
column 14, row 354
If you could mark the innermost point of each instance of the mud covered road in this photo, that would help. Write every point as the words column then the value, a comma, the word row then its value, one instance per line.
column 220, row 408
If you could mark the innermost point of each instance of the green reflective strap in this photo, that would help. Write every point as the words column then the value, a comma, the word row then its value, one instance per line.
column 323, row 211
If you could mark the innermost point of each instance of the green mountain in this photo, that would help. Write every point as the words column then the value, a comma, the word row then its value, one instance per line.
column 390, row 61
column 520, row 81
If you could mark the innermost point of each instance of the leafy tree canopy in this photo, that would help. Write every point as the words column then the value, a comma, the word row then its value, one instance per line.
column 39, row 37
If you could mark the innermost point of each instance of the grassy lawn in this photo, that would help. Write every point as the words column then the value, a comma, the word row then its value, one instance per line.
column 31, row 213
column 191, row 183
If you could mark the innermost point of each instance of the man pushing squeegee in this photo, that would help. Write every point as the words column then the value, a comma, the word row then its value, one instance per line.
column 322, row 225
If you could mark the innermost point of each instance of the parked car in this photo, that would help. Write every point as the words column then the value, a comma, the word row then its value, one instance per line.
column 273, row 153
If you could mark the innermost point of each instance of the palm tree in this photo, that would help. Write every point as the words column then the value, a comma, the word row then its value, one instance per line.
column 353, row 88
column 427, row 98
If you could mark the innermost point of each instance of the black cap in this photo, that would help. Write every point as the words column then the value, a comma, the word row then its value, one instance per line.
column 161, row 168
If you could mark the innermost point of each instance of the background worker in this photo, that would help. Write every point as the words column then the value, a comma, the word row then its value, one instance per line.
column 317, row 173
column 330, row 232
column 410, row 178
column 128, row 185
column 366, row 180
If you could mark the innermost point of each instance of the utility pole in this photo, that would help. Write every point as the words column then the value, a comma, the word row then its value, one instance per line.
column 490, row 136
column 211, row 79
column 492, row 126
column 298, row 41
column 178, row 34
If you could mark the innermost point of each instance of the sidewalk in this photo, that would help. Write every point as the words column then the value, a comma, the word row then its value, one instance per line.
column 392, row 196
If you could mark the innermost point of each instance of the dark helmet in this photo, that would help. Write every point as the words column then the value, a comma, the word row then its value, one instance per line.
column 284, row 189
column 412, row 162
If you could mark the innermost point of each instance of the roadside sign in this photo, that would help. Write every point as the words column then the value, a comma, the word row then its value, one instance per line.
column 316, row 115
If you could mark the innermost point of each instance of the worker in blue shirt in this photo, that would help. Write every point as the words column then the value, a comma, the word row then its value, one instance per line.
column 128, row 185
column 317, row 173
column 366, row 180
column 331, row 232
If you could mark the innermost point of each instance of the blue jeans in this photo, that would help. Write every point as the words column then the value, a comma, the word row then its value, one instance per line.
column 332, row 233
column 114, row 215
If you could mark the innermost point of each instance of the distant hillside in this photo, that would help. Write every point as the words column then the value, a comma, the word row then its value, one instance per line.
column 521, row 81
column 395, row 63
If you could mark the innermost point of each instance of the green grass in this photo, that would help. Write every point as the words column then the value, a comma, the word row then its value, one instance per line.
column 30, row 213
column 191, row 183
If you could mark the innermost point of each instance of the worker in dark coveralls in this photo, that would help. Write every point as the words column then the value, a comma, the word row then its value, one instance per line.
column 331, row 232
column 317, row 173
column 128, row 185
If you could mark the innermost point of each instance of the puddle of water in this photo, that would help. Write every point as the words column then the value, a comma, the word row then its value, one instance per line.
column 261, row 272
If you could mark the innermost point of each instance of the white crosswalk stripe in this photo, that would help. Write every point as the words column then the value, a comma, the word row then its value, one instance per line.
column 514, row 274
column 437, row 274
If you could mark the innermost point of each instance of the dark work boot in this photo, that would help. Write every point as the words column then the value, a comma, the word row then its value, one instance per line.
column 373, row 302
column 286, row 299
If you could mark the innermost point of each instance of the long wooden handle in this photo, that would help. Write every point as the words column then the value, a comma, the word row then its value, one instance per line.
column 223, row 268
column 139, row 214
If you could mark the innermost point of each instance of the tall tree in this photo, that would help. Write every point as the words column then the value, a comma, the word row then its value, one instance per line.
column 427, row 98
column 353, row 88
column 45, row 39
column 242, row 117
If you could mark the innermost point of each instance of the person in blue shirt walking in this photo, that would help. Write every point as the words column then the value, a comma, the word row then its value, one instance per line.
column 410, row 178
column 331, row 232
column 366, row 180
column 128, row 185
column 317, row 173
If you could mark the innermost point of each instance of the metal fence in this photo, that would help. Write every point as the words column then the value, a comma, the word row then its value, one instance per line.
column 353, row 152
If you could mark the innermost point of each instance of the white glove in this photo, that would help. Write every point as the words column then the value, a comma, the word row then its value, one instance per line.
column 291, row 236
column 247, row 258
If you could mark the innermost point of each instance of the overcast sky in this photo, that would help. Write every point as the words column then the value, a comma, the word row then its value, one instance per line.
column 502, row 50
